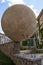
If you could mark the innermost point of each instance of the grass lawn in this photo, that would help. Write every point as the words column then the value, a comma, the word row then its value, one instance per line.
column 5, row 60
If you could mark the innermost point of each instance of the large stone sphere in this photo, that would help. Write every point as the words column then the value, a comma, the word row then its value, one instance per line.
column 19, row 22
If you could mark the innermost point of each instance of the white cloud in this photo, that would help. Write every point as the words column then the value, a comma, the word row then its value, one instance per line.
column 12, row 2
column 3, row 1
column 34, row 10
column 1, row 28
column 0, row 24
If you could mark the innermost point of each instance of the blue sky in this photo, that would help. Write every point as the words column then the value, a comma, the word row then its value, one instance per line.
column 35, row 5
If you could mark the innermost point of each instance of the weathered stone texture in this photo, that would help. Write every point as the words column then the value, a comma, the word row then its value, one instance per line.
column 22, row 61
column 10, row 48
column 19, row 22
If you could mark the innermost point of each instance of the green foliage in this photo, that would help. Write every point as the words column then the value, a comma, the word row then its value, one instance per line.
column 30, row 42
column 23, row 48
column 24, row 43
column 39, row 46
column 5, row 60
column 41, row 32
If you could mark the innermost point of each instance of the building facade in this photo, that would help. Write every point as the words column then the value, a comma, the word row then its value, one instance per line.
column 4, row 39
column 40, row 24
column 40, row 19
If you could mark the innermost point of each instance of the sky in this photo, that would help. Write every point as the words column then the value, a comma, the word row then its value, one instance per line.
column 35, row 5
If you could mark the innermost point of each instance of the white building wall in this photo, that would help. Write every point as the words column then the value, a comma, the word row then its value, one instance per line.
column 4, row 39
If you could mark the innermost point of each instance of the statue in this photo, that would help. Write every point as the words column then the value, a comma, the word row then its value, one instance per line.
column 19, row 22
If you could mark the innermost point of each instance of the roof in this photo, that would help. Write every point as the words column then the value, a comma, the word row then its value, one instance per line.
column 41, row 13
column 2, row 34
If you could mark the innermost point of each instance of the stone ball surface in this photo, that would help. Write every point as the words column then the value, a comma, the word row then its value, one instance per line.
column 18, row 22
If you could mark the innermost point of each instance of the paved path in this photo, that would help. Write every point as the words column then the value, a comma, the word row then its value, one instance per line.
column 32, row 55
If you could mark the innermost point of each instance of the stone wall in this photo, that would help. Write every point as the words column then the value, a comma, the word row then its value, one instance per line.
column 23, row 61
column 10, row 48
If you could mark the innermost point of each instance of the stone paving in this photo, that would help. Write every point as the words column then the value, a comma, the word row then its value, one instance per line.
column 32, row 57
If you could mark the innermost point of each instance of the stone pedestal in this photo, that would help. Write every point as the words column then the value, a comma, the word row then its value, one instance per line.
column 16, row 48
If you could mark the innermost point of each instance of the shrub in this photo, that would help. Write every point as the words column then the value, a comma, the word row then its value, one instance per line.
column 23, row 48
